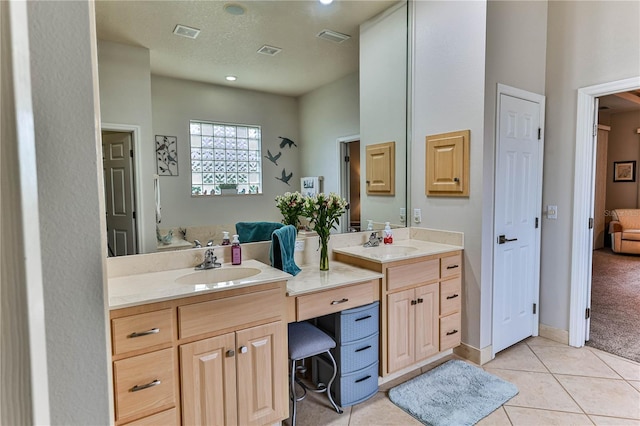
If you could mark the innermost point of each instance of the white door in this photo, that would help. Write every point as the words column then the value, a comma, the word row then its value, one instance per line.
column 517, row 221
column 118, row 185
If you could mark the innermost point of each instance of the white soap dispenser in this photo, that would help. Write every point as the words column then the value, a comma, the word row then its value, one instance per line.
column 369, row 225
column 388, row 234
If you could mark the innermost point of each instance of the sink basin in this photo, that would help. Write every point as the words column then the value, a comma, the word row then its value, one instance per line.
column 389, row 251
column 211, row 276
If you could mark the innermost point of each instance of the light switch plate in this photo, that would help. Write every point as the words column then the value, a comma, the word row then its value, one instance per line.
column 403, row 214
column 552, row 212
column 299, row 245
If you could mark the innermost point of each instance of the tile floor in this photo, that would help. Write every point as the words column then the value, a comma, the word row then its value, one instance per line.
column 558, row 385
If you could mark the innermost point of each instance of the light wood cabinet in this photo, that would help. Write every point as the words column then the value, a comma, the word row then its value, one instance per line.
column 204, row 359
column 420, row 312
column 381, row 168
column 447, row 164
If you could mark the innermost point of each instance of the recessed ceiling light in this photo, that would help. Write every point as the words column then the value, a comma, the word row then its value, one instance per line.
column 234, row 9
column 326, row 1
column 231, row 78
column 184, row 31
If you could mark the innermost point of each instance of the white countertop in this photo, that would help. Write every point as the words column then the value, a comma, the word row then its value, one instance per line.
column 399, row 250
column 311, row 278
column 139, row 289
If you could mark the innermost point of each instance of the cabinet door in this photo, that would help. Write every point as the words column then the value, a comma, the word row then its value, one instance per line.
column 381, row 168
column 262, row 374
column 400, row 329
column 427, row 324
column 208, row 371
column 447, row 164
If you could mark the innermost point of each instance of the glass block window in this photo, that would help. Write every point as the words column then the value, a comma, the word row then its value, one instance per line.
column 225, row 158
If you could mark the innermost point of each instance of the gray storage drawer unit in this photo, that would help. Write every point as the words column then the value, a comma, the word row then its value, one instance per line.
column 357, row 339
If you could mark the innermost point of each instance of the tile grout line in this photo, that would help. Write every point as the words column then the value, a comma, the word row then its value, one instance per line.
column 559, row 383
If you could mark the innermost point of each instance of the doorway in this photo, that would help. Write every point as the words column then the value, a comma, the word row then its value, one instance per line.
column 583, row 204
column 518, row 202
column 119, row 191
column 350, row 182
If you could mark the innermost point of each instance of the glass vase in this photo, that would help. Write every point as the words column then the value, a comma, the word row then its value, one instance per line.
column 324, row 253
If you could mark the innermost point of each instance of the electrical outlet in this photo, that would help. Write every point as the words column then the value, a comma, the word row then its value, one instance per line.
column 403, row 214
column 299, row 245
column 417, row 215
column 552, row 212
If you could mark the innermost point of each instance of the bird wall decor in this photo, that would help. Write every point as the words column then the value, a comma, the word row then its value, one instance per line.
column 286, row 142
column 285, row 177
column 273, row 158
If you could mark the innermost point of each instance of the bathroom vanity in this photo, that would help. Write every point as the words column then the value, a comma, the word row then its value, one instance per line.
column 210, row 347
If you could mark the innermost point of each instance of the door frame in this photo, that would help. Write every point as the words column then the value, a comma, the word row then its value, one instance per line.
column 540, row 100
column 343, row 176
column 137, row 184
column 583, row 193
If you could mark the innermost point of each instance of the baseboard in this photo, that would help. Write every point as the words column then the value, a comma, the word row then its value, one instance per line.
column 475, row 355
column 555, row 334
column 395, row 375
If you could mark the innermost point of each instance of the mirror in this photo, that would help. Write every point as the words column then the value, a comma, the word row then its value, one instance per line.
column 332, row 98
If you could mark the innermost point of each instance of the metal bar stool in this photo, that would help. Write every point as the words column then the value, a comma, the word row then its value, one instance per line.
column 306, row 340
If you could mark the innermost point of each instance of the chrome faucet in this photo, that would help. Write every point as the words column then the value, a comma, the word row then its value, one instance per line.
column 210, row 261
column 374, row 240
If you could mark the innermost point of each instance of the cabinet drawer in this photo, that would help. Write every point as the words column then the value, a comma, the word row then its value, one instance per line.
column 349, row 389
column 449, row 331
column 144, row 383
column 412, row 274
column 330, row 301
column 352, row 324
column 450, row 265
column 450, row 296
column 215, row 315
column 356, row 355
column 141, row 331
column 165, row 418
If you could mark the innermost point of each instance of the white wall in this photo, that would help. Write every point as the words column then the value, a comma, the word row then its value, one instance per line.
column 624, row 145
column 383, row 110
column 516, row 56
column 448, row 95
column 125, row 98
column 326, row 114
column 70, row 230
column 175, row 102
column 588, row 43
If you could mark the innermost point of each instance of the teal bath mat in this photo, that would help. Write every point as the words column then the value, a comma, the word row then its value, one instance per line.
column 453, row 394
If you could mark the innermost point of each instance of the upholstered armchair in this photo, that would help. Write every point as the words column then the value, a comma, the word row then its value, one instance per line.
column 625, row 231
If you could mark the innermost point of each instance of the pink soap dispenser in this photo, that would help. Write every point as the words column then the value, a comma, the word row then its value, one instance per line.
column 236, row 251
column 388, row 234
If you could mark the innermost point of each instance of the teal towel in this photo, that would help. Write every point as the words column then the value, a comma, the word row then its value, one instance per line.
column 250, row 232
column 283, row 244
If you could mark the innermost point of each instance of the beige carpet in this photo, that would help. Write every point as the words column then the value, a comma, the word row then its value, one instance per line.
column 615, row 304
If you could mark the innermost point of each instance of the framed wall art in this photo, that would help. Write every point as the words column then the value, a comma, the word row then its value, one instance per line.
column 624, row 171
column 167, row 155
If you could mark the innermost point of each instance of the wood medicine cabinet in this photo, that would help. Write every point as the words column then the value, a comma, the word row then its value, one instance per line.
column 381, row 168
column 447, row 164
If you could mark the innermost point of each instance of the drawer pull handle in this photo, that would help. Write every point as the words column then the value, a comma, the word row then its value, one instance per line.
column 137, row 388
column 452, row 266
column 337, row 302
column 230, row 353
column 143, row 333
column 363, row 318
column 414, row 302
column 420, row 300
column 243, row 349
column 363, row 349
column 453, row 296
column 449, row 333
column 363, row 379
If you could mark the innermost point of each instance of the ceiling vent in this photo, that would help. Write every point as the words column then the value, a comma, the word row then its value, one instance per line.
column 269, row 50
column 333, row 36
column 184, row 31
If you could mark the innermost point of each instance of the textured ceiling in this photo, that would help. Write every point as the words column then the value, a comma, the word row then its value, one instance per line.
column 227, row 44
